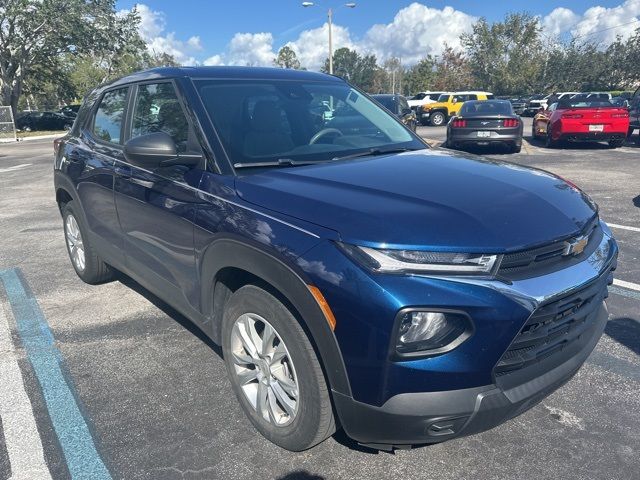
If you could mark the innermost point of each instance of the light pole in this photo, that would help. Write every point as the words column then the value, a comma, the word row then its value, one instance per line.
column 330, row 17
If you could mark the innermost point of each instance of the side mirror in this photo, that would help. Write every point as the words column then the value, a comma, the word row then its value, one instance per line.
column 150, row 150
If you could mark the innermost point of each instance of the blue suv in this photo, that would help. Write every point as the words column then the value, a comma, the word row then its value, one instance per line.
column 354, row 277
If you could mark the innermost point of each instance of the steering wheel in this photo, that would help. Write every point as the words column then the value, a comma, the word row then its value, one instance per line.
column 322, row 133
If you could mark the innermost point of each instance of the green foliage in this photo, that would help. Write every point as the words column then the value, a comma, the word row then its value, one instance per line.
column 287, row 58
column 356, row 69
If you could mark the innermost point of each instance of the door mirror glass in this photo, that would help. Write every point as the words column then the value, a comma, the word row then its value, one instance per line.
column 151, row 151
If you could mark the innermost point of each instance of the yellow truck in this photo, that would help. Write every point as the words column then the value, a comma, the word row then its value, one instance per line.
column 448, row 104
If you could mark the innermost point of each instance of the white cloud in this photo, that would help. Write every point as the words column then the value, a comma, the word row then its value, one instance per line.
column 152, row 30
column 598, row 24
column 559, row 21
column 312, row 46
column 416, row 31
column 249, row 49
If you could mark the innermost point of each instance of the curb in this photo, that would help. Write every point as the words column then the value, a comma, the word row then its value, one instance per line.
column 41, row 137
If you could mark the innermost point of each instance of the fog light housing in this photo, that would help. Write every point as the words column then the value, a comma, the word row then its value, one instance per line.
column 424, row 332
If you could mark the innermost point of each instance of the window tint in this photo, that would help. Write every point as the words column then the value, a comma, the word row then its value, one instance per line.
column 490, row 96
column 443, row 98
column 404, row 105
column 109, row 116
column 157, row 109
column 434, row 96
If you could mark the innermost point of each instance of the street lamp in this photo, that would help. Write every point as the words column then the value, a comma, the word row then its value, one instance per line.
column 330, row 17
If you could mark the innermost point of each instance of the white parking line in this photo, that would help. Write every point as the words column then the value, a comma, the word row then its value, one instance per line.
column 21, row 436
column 629, row 285
column 624, row 227
column 14, row 167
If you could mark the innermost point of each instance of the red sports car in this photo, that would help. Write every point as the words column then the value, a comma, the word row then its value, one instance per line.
column 582, row 120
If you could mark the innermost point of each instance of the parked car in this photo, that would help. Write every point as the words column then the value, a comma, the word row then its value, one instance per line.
column 408, row 295
column 582, row 121
column 423, row 98
column 28, row 121
column 489, row 122
column 620, row 102
column 634, row 115
column 448, row 104
column 397, row 104
column 592, row 96
column 535, row 105
column 518, row 104
column 70, row 111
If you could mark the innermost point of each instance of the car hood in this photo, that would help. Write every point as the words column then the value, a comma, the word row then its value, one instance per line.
column 426, row 199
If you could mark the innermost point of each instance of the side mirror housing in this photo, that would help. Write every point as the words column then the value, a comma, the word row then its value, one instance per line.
column 151, row 150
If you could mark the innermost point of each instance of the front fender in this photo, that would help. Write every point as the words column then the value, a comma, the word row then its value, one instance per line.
column 290, row 281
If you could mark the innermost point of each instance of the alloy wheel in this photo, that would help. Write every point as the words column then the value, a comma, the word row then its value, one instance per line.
column 264, row 369
column 74, row 242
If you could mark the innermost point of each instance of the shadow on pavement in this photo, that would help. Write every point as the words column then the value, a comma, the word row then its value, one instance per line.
column 169, row 311
column 625, row 331
column 300, row 475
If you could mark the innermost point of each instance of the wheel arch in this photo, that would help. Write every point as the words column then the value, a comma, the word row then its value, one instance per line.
column 229, row 263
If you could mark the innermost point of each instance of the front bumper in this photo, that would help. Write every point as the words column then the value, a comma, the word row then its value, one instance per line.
column 430, row 417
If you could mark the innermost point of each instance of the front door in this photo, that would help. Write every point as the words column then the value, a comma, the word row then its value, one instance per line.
column 157, row 208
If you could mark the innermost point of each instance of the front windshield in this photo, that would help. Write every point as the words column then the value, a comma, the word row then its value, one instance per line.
column 268, row 121
column 443, row 98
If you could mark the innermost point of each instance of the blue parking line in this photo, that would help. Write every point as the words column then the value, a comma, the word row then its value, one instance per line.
column 624, row 292
column 77, row 444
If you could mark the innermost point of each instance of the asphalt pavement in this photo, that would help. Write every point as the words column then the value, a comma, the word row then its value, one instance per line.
column 110, row 380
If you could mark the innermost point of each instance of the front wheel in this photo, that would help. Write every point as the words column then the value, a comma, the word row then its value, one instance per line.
column 274, row 371
column 437, row 119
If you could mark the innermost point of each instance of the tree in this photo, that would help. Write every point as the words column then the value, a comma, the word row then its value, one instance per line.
column 505, row 57
column 36, row 34
column 420, row 77
column 287, row 58
column 356, row 69
column 452, row 71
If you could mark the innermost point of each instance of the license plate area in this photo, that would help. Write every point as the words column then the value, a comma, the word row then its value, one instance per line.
column 596, row 128
column 483, row 134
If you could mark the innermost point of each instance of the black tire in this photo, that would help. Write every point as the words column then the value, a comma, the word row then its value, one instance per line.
column 630, row 132
column 617, row 143
column 313, row 421
column 95, row 271
column 515, row 148
column 549, row 142
column 437, row 119
column 424, row 122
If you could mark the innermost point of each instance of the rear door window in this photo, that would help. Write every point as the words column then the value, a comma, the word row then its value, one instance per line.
column 107, row 124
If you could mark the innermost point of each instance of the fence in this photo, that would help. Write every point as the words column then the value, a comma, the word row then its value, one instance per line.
column 7, row 127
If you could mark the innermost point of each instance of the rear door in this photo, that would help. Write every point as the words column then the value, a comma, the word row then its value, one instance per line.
column 90, row 160
column 157, row 207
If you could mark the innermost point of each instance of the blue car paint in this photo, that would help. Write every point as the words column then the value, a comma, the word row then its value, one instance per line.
column 430, row 200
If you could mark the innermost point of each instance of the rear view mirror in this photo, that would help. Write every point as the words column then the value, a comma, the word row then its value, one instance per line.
column 150, row 150
column 155, row 150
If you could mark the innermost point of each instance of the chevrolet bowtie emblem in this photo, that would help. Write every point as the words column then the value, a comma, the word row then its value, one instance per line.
column 575, row 246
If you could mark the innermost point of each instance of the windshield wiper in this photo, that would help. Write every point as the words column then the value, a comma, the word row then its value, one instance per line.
column 281, row 162
column 373, row 152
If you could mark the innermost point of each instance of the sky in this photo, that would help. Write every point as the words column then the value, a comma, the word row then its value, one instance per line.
column 250, row 32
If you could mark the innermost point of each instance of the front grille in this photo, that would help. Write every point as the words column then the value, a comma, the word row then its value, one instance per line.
column 550, row 257
column 553, row 328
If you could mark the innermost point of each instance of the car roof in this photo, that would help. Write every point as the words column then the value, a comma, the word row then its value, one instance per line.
column 223, row 72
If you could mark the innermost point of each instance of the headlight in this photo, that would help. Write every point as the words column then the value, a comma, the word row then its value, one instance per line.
column 428, row 333
column 405, row 261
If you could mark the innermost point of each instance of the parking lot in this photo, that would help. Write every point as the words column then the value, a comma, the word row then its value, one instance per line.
column 112, row 383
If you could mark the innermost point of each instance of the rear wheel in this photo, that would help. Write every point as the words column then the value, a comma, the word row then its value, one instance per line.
column 85, row 260
column 274, row 371
column 617, row 143
column 515, row 148
column 437, row 119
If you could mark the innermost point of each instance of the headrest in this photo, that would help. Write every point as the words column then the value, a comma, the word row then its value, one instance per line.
column 267, row 116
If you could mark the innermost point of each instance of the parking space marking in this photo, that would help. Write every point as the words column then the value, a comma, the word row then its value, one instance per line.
column 21, row 438
column 629, row 285
column 624, row 227
column 14, row 167
column 82, row 458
